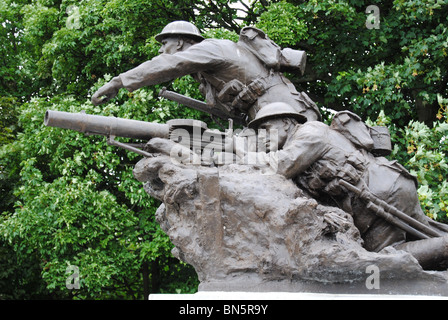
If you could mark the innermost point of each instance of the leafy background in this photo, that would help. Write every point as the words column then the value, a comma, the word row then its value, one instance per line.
column 67, row 199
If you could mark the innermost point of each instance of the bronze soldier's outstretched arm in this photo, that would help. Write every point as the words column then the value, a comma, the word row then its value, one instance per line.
column 107, row 92
column 165, row 67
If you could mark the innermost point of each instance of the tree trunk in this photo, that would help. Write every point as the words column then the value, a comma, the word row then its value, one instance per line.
column 145, row 274
column 155, row 276
column 426, row 112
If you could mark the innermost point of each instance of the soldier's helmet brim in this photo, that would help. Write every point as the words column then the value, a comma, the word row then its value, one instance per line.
column 274, row 111
column 180, row 28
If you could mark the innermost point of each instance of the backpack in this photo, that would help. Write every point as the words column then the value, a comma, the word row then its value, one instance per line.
column 258, row 43
column 373, row 139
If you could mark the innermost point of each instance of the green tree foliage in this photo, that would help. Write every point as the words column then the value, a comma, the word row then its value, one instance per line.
column 399, row 68
column 423, row 150
column 71, row 200
column 77, row 203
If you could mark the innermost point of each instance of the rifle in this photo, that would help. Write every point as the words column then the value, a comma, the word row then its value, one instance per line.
column 198, row 133
column 201, row 106
column 392, row 214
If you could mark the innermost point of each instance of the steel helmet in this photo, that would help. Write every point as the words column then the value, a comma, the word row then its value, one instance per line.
column 184, row 28
column 276, row 110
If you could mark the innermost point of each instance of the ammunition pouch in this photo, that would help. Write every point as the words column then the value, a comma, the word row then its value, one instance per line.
column 250, row 94
column 246, row 97
column 230, row 90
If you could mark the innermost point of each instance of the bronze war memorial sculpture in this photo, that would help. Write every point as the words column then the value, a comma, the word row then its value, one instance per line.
column 287, row 203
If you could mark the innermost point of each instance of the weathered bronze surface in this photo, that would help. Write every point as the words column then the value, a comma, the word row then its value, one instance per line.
column 287, row 204
column 235, row 78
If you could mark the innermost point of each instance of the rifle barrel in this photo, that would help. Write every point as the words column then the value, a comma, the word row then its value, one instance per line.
column 198, row 105
column 415, row 224
column 395, row 221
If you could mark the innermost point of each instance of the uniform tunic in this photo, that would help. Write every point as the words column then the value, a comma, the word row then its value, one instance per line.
column 216, row 63
column 315, row 144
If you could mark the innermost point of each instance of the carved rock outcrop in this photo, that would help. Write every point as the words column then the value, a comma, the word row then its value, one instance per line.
column 245, row 231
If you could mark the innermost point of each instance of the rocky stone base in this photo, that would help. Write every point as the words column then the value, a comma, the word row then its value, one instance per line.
column 243, row 230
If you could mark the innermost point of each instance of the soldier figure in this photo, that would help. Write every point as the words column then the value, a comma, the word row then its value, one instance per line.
column 316, row 157
column 246, row 77
column 235, row 77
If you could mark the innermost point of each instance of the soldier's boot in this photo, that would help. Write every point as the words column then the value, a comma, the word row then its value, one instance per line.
column 432, row 254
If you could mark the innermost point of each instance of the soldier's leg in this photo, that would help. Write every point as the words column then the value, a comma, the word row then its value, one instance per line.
column 430, row 253
column 403, row 196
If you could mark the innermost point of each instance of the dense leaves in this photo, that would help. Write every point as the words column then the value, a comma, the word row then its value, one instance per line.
column 77, row 203
column 423, row 151
column 399, row 67
column 70, row 200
